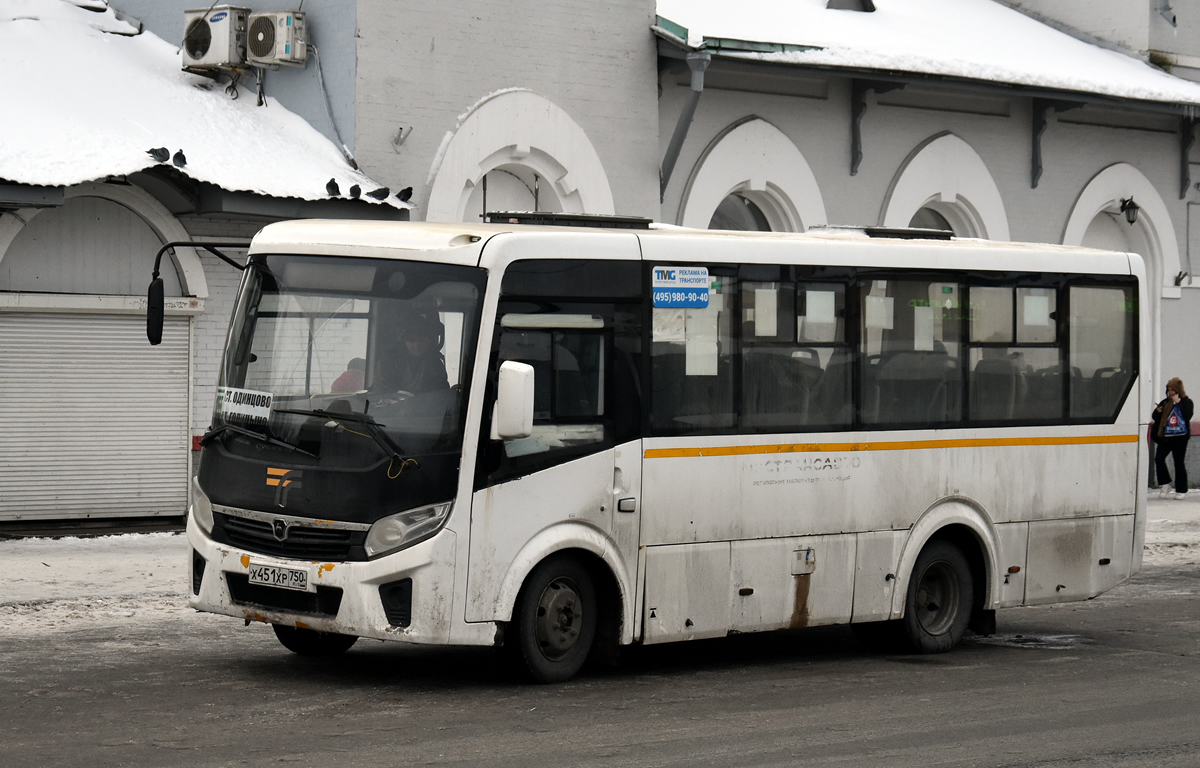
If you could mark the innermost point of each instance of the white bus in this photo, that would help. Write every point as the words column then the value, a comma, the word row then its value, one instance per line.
column 563, row 439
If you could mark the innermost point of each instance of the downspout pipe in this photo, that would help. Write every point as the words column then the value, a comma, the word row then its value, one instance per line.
column 697, row 61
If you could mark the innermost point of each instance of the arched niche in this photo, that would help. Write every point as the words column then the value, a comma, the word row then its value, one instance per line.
column 754, row 160
column 519, row 133
column 102, row 240
column 945, row 175
column 1096, row 221
column 1152, row 236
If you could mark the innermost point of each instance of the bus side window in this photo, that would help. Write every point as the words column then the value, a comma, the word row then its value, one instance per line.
column 1103, row 322
column 795, row 363
column 578, row 323
column 911, row 351
column 693, row 355
column 1015, row 371
column 821, row 327
column 569, row 375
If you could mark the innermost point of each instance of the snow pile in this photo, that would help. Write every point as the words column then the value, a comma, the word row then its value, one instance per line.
column 975, row 39
column 1173, row 533
column 76, row 583
column 86, row 97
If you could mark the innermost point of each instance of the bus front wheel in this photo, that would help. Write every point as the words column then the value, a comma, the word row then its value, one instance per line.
column 937, row 608
column 554, row 619
column 309, row 642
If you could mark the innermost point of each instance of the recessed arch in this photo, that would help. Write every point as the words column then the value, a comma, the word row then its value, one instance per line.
column 141, row 203
column 1153, row 236
column 754, row 159
column 512, row 130
column 1096, row 220
column 946, row 175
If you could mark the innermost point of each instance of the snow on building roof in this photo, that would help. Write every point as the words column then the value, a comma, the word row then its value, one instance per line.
column 970, row 39
column 86, row 96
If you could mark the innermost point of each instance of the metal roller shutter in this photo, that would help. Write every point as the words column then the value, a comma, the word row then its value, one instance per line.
column 93, row 420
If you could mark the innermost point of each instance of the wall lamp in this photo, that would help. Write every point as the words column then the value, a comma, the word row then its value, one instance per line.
column 1130, row 209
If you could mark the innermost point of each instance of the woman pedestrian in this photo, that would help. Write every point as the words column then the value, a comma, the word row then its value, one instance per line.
column 1171, row 430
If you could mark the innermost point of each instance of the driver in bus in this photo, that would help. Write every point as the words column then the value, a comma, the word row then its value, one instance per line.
column 414, row 363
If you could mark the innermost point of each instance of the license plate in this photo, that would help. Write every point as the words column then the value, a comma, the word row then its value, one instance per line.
column 275, row 576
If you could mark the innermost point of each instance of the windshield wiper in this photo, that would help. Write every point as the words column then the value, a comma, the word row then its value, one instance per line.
column 373, row 427
column 216, row 432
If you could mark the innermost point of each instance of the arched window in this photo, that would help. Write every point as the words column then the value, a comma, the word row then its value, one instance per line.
column 738, row 212
column 752, row 164
column 946, row 177
column 511, row 187
column 928, row 218
column 528, row 150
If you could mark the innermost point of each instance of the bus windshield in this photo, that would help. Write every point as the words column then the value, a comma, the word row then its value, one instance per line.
column 351, row 362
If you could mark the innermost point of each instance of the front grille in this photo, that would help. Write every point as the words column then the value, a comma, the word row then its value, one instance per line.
column 325, row 602
column 302, row 542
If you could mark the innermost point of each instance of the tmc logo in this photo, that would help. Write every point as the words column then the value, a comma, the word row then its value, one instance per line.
column 666, row 275
column 283, row 479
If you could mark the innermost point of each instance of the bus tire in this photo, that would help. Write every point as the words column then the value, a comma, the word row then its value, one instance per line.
column 937, row 608
column 554, row 619
column 309, row 642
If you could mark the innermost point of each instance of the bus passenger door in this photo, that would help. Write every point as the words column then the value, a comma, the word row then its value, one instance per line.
column 575, row 482
column 627, row 520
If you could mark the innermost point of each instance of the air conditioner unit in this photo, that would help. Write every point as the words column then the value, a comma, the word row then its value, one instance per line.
column 277, row 38
column 215, row 38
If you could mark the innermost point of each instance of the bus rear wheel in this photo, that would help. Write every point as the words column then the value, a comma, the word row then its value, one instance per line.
column 554, row 619
column 309, row 642
column 937, row 608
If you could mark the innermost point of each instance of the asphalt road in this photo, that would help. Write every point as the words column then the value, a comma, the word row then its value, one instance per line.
column 1113, row 681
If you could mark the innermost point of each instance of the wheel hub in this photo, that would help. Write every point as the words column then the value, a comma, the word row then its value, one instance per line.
column 559, row 617
column 937, row 598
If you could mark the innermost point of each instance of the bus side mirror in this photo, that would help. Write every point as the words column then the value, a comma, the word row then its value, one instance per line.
column 512, row 416
column 154, row 311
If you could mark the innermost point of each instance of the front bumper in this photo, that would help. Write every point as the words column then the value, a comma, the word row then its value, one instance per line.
column 347, row 598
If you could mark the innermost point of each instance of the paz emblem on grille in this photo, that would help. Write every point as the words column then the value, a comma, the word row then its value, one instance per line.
column 280, row 529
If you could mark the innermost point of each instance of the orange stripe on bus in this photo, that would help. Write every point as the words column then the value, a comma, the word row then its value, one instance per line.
column 903, row 445
column 276, row 471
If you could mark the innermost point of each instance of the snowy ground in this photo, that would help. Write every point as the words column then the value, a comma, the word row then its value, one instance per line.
column 1173, row 532
column 77, row 583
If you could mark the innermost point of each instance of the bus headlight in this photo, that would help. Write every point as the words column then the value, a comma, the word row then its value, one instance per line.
column 405, row 529
column 201, row 508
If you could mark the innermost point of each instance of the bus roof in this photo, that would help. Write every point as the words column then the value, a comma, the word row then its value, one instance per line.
column 461, row 243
